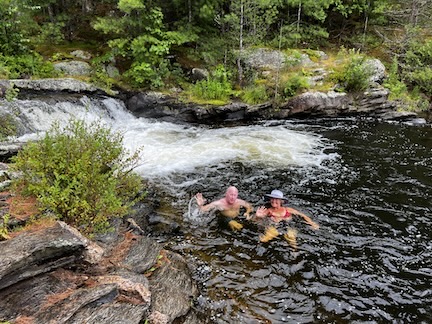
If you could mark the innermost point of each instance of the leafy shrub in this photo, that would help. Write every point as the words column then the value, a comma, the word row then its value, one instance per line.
column 146, row 74
column 11, row 93
column 419, row 54
column 255, row 94
column 51, row 33
column 397, row 87
column 80, row 174
column 294, row 84
column 415, row 66
column 354, row 73
column 8, row 126
column 14, row 67
column 422, row 79
column 411, row 101
column 216, row 87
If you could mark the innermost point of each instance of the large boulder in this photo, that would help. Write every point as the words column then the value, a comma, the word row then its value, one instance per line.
column 56, row 275
column 74, row 68
column 377, row 69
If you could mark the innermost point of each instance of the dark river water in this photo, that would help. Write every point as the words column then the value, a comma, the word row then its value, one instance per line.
column 370, row 261
column 367, row 184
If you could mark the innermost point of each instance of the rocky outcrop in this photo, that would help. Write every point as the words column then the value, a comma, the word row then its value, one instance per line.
column 373, row 103
column 56, row 275
column 50, row 85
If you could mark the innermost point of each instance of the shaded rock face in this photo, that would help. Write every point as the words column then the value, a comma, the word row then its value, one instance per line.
column 372, row 103
column 56, row 275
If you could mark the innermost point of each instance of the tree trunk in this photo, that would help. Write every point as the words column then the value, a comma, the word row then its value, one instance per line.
column 86, row 6
column 366, row 22
column 239, row 66
column 299, row 16
column 279, row 65
column 190, row 11
column 298, row 19
column 414, row 13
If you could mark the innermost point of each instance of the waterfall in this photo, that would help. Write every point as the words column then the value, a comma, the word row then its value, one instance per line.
column 179, row 148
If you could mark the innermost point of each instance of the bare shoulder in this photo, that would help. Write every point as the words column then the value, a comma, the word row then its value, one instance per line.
column 243, row 202
column 218, row 203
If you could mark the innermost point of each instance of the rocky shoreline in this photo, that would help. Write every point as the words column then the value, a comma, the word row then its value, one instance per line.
column 50, row 273
column 372, row 103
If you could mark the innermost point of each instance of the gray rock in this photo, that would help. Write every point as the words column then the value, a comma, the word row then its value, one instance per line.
column 112, row 71
column 172, row 287
column 322, row 55
column 198, row 74
column 7, row 150
column 263, row 59
column 29, row 255
column 83, row 55
column 378, row 70
column 317, row 103
column 55, row 275
column 62, row 84
column 74, row 68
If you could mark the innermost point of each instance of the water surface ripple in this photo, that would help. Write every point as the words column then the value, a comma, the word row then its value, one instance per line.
column 367, row 184
column 369, row 261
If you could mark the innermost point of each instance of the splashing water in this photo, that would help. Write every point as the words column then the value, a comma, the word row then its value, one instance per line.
column 195, row 216
column 172, row 149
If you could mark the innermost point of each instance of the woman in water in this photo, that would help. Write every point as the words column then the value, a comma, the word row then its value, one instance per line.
column 277, row 213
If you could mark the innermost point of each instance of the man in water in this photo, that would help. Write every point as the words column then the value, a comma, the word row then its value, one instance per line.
column 229, row 206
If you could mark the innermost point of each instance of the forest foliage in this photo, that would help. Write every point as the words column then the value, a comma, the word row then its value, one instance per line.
column 154, row 43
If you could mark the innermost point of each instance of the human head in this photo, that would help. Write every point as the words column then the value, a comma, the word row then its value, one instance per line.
column 276, row 194
column 276, row 198
column 231, row 194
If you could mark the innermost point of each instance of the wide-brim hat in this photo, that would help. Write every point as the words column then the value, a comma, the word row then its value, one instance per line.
column 276, row 194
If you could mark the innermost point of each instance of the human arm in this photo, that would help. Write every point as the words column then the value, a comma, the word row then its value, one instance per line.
column 306, row 218
column 201, row 203
column 248, row 207
column 261, row 212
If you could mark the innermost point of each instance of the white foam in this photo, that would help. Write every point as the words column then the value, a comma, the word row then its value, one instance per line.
column 171, row 148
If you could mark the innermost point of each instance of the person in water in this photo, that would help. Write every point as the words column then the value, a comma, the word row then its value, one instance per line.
column 228, row 206
column 277, row 213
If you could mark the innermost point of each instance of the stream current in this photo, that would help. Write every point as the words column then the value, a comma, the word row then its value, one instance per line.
column 367, row 184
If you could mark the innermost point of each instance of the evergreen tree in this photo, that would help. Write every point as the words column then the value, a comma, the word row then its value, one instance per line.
column 136, row 32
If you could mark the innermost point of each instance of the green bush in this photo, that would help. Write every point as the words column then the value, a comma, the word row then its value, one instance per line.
column 28, row 65
column 294, row 84
column 393, row 83
column 255, row 95
column 8, row 126
column 80, row 174
column 354, row 74
column 422, row 79
column 216, row 87
column 51, row 33
column 412, row 101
